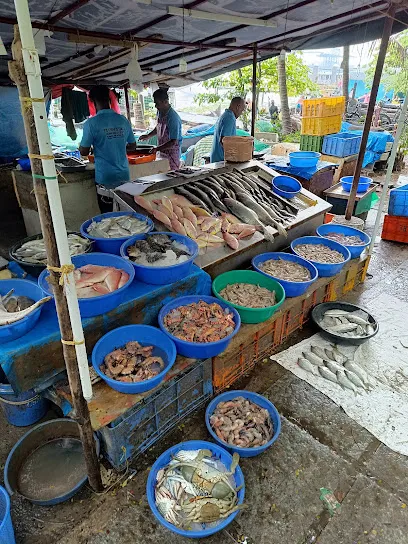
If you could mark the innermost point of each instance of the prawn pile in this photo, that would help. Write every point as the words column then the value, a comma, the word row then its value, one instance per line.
column 200, row 322
column 319, row 253
column 132, row 363
column 248, row 295
column 346, row 240
column 240, row 422
column 285, row 270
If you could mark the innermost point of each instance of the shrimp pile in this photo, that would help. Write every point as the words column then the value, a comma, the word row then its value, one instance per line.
column 132, row 363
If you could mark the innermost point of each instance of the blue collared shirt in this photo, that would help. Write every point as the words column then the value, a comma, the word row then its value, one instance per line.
column 225, row 126
column 109, row 133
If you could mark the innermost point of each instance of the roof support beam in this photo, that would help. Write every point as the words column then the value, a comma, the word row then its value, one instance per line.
column 67, row 11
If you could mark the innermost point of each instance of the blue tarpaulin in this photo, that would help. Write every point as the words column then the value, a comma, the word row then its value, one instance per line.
column 12, row 135
column 376, row 143
column 282, row 164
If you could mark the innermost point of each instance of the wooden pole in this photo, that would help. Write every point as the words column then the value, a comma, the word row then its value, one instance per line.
column 126, row 90
column 373, row 96
column 254, row 80
column 81, row 412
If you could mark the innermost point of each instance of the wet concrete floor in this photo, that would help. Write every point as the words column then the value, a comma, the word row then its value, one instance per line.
column 319, row 447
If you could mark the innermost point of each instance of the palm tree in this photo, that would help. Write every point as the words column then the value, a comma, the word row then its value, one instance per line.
column 283, row 93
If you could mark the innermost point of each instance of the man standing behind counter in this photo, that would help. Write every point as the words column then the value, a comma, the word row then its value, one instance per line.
column 168, row 129
column 111, row 136
column 226, row 126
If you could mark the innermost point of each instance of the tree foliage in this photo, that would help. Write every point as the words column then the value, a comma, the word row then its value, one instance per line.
column 395, row 71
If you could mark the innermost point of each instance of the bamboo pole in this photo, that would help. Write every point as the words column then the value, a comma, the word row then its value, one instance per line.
column 254, row 78
column 390, row 166
column 373, row 96
column 25, row 61
column 126, row 91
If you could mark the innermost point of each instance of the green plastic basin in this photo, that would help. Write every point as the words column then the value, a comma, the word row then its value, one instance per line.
column 250, row 315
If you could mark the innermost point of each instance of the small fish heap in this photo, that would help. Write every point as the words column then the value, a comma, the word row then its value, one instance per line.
column 248, row 295
column 132, row 363
column 200, row 322
column 240, row 422
column 158, row 250
column 33, row 252
column 196, row 488
column 14, row 308
column 93, row 280
column 221, row 208
column 319, row 253
column 117, row 227
column 349, row 324
column 285, row 270
column 334, row 366
column 346, row 240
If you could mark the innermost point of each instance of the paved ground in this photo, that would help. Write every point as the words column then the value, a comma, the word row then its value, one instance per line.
column 319, row 447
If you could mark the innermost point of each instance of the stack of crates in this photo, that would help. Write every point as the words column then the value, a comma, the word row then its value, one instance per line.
column 320, row 116
column 395, row 226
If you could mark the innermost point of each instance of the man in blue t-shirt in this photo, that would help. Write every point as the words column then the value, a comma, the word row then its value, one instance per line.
column 111, row 136
column 226, row 126
column 168, row 129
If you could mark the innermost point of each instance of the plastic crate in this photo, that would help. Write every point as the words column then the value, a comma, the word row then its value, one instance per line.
column 320, row 126
column 135, row 431
column 269, row 337
column 311, row 143
column 342, row 144
column 323, row 107
column 395, row 229
column 398, row 204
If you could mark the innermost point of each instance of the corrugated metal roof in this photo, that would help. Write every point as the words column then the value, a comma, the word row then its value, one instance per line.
column 299, row 25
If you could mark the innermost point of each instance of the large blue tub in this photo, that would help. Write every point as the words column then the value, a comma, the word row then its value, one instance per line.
column 324, row 269
column 6, row 525
column 355, row 251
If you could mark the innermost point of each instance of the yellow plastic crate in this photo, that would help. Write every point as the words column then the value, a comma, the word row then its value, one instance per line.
column 320, row 126
column 323, row 107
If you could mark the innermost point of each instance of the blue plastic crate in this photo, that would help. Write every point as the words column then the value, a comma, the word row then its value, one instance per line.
column 342, row 144
column 146, row 422
column 398, row 204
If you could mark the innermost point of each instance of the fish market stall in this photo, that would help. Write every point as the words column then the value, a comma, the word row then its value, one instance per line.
column 217, row 214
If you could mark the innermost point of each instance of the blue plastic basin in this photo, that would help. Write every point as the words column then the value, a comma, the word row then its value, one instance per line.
column 355, row 251
column 6, row 525
column 145, row 335
column 197, row 350
column 162, row 275
column 363, row 184
column 324, row 270
column 286, row 186
column 256, row 399
column 163, row 461
column 304, row 159
column 292, row 288
column 111, row 245
column 90, row 307
column 21, row 288
column 22, row 409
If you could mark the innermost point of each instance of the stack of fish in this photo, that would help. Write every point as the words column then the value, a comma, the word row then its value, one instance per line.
column 285, row 270
column 14, row 308
column 349, row 324
column 132, row 363
column 123, row 226
column 33, row 251
column 334, row 366
column 224, row 207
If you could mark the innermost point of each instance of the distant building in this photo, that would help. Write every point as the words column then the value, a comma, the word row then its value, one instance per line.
column 326, row 70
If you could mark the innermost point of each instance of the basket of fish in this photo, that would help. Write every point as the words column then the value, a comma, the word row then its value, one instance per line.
column 160, row 258
column 243, row 422
column 294, row 273
column 109, row 230
column 196, row 488
column 345, row 323
column 30, row 252
column 134, row 358
column 354, row 240
column 255, row 296
column 101, row 281
column 326, row 255
column 201, row 326
column 21, row 303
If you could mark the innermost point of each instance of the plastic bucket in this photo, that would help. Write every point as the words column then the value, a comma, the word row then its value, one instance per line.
column 112, row 245
column 21, row 409
column 250, row 315
column 286, row 186
column 6, row 526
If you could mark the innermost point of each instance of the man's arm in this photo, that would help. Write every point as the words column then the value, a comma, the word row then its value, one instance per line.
column 84, row 150
column 87, row 140
column 131, row 140
column 167, row 145
column 148, row 136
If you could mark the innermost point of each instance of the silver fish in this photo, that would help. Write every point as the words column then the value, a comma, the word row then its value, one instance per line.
column 261, row 212
column 6, row 318
column 333, row 366
column 320, row 352
column 306, row 365
column 327, row 374
column 358, row 371
column 249, row 216
column 335, row 355
column 370, row 330
column 343, row 328
column 355, row 379
column 357, row 319
column 313, row 358
column 335, row 313
column 344, row 381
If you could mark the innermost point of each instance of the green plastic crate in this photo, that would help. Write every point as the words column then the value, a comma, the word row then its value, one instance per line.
column 311, row 143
